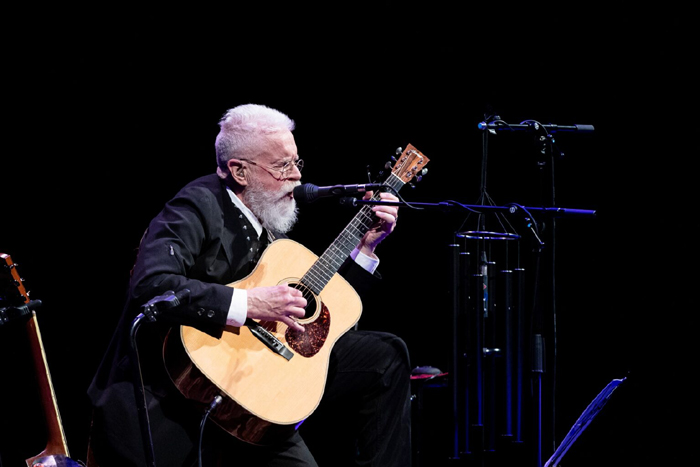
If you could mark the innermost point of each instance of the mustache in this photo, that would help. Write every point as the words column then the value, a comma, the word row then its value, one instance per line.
column 290, row 185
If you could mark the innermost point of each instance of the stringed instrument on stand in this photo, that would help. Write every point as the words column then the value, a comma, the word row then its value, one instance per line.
column 23, row 309
column 269, row 376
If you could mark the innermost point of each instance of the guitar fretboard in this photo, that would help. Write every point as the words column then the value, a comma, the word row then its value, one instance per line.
column 330, row 261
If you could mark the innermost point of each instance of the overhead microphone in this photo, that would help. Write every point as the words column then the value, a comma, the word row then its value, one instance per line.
column 308, row 193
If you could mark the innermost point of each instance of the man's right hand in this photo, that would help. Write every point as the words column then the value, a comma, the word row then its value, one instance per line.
column 277, row 303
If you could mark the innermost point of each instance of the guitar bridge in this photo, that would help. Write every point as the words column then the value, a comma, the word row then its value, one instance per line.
column 267, row 338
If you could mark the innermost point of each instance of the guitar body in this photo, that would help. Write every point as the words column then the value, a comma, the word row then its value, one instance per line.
column 266, row 394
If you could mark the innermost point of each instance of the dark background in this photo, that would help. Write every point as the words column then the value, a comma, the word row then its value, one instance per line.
column 108, row 112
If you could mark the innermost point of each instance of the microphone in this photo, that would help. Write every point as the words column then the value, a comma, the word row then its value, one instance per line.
column 308, row 193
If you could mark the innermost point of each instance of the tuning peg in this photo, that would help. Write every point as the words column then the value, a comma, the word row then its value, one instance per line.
column 399, row 150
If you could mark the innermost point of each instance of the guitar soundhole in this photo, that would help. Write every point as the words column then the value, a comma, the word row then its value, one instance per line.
column 311, row 304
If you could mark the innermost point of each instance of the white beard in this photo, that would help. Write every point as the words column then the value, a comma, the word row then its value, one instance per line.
column 273, row 210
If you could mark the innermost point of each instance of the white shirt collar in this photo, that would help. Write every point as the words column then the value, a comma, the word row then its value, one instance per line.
column 247, row 212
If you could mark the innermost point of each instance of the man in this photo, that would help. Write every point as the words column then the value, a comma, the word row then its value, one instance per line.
column 209, row 235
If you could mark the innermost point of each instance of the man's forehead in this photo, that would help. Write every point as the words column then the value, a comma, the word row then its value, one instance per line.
column 280, row 146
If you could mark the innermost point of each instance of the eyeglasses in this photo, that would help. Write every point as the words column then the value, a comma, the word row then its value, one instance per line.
column 283, row 169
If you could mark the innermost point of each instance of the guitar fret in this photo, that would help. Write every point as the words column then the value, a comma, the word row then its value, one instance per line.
column 313, row 284
column 316, row 274
column 322, row 271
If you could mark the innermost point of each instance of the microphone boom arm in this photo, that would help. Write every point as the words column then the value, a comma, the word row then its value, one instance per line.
column 448, row 206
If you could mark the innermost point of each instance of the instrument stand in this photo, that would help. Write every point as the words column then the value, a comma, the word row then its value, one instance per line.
column 54, row 461
column 14, row 313
column 21, row 309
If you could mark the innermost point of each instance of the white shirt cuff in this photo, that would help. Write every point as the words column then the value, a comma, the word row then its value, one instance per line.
column 238, row 309
column 367, row 262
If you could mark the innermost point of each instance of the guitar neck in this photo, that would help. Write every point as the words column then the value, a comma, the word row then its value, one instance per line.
column 335, row 255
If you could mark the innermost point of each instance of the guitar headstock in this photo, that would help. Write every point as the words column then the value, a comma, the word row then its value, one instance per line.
column 410, row 164
column 12, row 285
column 14, row 298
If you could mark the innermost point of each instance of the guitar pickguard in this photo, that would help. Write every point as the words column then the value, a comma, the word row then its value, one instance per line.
column 309, row 343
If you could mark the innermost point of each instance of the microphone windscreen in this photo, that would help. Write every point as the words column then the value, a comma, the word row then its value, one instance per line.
column 305, row 193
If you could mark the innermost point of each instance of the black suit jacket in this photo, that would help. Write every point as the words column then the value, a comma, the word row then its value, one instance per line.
column 200, row 241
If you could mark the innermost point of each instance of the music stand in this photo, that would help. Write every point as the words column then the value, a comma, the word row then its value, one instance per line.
column 583, row 421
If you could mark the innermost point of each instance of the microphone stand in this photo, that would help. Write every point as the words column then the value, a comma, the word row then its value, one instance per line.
column 547, row 150
column 151, row 311
column 449, row 206
column 531, row 125
column 141, row 404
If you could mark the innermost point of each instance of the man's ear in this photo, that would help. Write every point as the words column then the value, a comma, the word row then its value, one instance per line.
column 237, row 171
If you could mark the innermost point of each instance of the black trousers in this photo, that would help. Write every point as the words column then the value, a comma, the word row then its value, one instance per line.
column 364, row 419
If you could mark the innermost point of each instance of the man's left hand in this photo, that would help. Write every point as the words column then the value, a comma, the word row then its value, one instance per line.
column 384, row 225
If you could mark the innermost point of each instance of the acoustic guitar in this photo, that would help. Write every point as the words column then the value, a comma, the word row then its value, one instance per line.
column 56, row 451
column 271, row 377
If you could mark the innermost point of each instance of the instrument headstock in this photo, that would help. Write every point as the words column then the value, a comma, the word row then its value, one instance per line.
column 12, row 285
column 410, row 164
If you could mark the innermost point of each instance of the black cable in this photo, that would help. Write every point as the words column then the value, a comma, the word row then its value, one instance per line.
column 217, row 400
column 387, row 188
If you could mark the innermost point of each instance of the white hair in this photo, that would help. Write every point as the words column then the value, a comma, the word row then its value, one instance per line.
column 242, row 128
